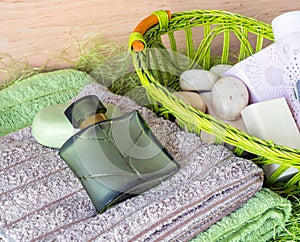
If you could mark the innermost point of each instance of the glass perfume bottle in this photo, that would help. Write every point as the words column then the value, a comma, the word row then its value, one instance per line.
column 114, row 159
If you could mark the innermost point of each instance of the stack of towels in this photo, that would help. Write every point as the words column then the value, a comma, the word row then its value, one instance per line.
column 215, row 196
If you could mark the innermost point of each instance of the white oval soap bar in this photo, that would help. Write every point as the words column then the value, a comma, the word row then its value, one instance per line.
column 51, row 128
column 193, row 99
column 229, row 97
column 197, row 80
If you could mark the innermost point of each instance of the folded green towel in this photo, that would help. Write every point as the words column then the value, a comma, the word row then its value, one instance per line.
column 21, row 101
column 256, row 220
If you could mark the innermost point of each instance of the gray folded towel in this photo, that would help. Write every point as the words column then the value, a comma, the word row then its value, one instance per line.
column 41, row 199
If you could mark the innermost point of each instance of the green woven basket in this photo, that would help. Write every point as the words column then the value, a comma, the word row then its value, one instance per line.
column 158, row 61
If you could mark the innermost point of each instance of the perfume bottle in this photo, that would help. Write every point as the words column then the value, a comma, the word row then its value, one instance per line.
column 114, row 159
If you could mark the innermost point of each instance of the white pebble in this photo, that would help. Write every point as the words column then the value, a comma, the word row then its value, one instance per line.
column 197, row 80
column 193, row 99
column 220, row 69
column 229, row 97
column 238, row 123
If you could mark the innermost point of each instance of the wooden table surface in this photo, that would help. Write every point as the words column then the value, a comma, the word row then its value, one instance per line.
column 36, row 30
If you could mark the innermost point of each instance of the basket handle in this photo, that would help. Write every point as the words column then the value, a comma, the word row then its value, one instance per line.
column 136, row 41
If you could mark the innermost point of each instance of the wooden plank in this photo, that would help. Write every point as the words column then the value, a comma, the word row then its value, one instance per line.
column 38, row 30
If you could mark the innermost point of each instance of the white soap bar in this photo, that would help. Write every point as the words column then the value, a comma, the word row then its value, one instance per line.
column 273, row 120
column 51, row 128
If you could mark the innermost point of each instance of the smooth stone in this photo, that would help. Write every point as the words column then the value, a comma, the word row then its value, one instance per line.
column 220, row 69
column 51, row 127
column 197, row 80
column 238, row 123
column 193, row 99
column 229, row 97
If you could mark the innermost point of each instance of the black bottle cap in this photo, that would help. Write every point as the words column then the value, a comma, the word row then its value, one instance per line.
column 84, row 108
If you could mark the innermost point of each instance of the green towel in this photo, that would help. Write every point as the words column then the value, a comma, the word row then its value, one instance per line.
column 257, row 220
column 20, row 102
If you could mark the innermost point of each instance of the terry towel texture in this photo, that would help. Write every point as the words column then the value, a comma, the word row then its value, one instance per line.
column 20, row 102
column 258, row 220
column 42, row 200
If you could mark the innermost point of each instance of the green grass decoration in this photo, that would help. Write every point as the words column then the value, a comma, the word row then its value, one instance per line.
column 90, row 54
column 14, row 71
column 95, row 51
column 291, row 230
